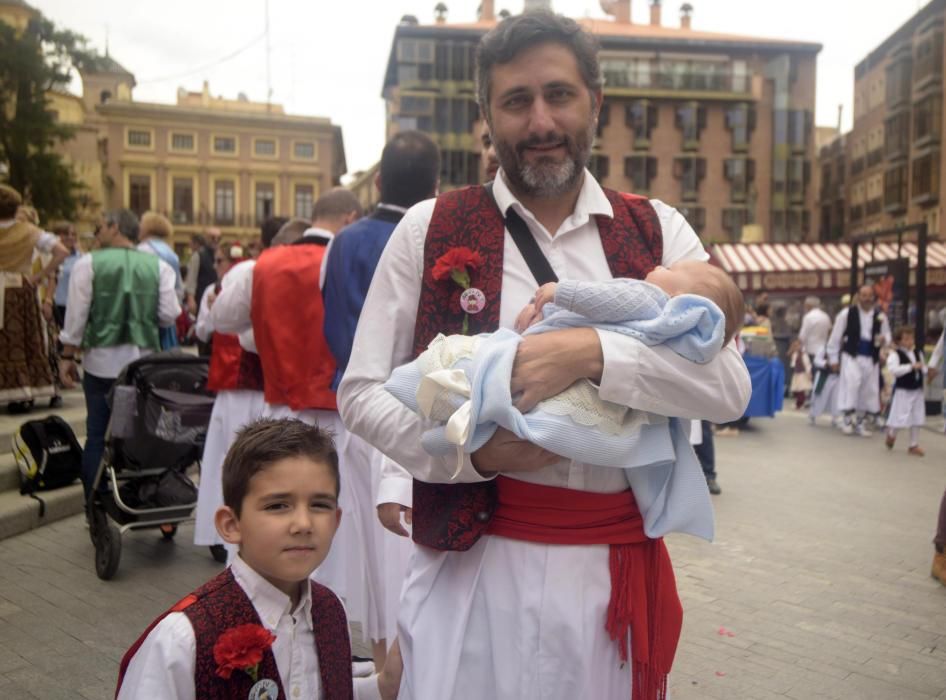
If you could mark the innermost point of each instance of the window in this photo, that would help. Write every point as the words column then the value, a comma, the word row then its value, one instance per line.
column 898, row 79
column 895, row 189
column 798, row 177
column 733, row 221
column 691, row 120
column 641, row 170
column 412, row 105
column 182, row 200
column 928, row 58
column 415, row 51
column 626, row 72
column 454, row 116
column 599, row 166
column 604, row 118
column 304, row 150
column 799, row 124
column 139, row 193
column 740, row 120
column 926, row 178
column 740, row 76
column 265, row 201
column 897, row 135
column 739, row 172
column 139, row 138
column 264, row 147
column 182, row 142
column 695, row 216
column 225, row 144
column 304, row 199
column 689, row 170
column 927, row 118
column 224, row 202
column 459, row 168
column 641, row 116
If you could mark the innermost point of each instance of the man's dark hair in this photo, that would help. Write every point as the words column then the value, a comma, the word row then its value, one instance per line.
column 269, row 228
column 267, row 441
column 338, row 201
column 410, row 166
column 512, row 36
column 198, row 240
column 127, row 223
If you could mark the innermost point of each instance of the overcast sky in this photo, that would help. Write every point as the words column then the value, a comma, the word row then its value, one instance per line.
column 327, row 57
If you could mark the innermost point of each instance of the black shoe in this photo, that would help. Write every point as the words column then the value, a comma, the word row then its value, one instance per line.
column 713, row 486
column 55, row 402
column 19, row 407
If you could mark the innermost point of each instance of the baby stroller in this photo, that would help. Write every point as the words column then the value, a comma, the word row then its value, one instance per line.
column 160, row 413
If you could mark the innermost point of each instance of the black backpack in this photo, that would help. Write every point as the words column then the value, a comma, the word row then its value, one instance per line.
column 48, row 456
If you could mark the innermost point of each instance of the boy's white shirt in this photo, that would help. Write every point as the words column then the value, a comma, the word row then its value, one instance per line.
column 163, row 667
column 896, row 368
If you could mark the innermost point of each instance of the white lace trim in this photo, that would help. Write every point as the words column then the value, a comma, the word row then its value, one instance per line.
column 582, row 404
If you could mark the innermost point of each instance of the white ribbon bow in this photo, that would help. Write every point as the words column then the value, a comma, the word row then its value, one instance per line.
column 458, row 427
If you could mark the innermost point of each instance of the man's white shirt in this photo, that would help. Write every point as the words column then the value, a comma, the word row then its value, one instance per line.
column 814, row 331
column 653, row 379
column 108, row 362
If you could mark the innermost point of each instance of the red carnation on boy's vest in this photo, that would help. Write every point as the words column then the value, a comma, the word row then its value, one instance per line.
column 241, row 649
column 455, row 263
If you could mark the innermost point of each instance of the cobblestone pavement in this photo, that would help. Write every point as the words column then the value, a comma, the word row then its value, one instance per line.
column 817, row 586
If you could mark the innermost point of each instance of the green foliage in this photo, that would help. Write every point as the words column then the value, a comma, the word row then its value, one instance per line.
column 32, row 63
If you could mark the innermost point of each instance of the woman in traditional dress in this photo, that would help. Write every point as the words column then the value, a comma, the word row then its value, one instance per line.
column 25, row 373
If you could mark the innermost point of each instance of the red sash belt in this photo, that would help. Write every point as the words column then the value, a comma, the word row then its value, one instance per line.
column 643, row 589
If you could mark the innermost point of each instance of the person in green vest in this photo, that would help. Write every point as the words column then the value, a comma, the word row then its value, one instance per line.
column 118, row 298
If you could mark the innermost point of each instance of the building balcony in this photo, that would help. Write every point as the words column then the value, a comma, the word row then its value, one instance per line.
column 875, row 206
column 857, row 166
column 875, row 157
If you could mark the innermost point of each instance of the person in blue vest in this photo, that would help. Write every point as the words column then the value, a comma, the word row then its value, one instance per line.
column 118, row 300
column 860, row 332
column 154, row 235
column 408, row 173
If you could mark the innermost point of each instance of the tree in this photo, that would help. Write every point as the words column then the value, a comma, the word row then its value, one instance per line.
column 34, row 62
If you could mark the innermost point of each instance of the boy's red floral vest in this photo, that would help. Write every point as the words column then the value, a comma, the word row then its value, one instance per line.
column 288, row 316
column 220, row 605
column 455, row 516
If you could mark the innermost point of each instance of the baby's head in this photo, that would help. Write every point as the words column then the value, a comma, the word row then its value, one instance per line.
column 280, row 495
column 706, row 280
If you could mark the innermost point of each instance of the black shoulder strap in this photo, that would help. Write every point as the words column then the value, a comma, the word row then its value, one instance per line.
column 538, row 264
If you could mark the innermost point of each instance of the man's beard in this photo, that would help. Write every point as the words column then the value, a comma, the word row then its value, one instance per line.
column 546, row 177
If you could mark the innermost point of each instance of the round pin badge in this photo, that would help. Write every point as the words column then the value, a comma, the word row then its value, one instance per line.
column 472, row 300
column 264, row 689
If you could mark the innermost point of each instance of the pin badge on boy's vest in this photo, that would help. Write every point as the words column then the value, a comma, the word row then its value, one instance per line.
column 264, row 689
column 472, row 301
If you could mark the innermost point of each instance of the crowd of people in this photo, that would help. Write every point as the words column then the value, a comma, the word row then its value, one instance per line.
column 422, row 371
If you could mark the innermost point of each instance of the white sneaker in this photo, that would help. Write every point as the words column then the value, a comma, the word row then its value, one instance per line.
column 879, row 422
column 847, row 428
column 863, row 430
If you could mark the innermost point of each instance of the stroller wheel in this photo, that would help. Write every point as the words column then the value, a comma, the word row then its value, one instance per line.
column 168, row 531
column 98, row 521
column 108, row 551
column 219, row 553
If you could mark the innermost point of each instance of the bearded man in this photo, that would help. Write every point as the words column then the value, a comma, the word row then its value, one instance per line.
column 519, row 587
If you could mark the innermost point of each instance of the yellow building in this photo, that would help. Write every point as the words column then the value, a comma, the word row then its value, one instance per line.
column 204, row 161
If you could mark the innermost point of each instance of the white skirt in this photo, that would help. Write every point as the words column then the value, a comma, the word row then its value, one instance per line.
column 826, row 400
column 509, row 620
column 907, row 409
column 232, row 410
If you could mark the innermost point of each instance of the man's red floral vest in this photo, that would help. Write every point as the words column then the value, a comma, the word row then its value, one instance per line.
column 287, row 315
column 221, row 604
column 454, row 516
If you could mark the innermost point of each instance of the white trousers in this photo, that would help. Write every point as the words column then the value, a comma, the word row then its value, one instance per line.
column 859, row 385
column 907, row 409
column 374, row 577
column 232, row 410
column 826, row 401
column 509, row 620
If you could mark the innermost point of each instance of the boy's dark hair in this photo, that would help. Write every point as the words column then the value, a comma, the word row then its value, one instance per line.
column 514, row 35
column 410, row 166
column 267, row 441
column 899, row 332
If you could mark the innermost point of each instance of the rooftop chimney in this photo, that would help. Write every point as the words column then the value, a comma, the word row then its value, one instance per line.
column 686, row 11
column 619, row 9
column 655, row 13
column 537, row 5
column 440, row 12
column 488, row 11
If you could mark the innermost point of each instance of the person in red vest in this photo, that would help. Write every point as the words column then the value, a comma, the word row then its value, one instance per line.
column 262, row 629
column 534, row 577
column 279, row 301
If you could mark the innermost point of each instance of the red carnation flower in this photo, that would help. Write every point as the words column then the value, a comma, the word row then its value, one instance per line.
column 241, row 649
column 456, row 263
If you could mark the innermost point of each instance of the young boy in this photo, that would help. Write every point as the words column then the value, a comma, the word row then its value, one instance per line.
column 908, row 407
column 262, row 629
